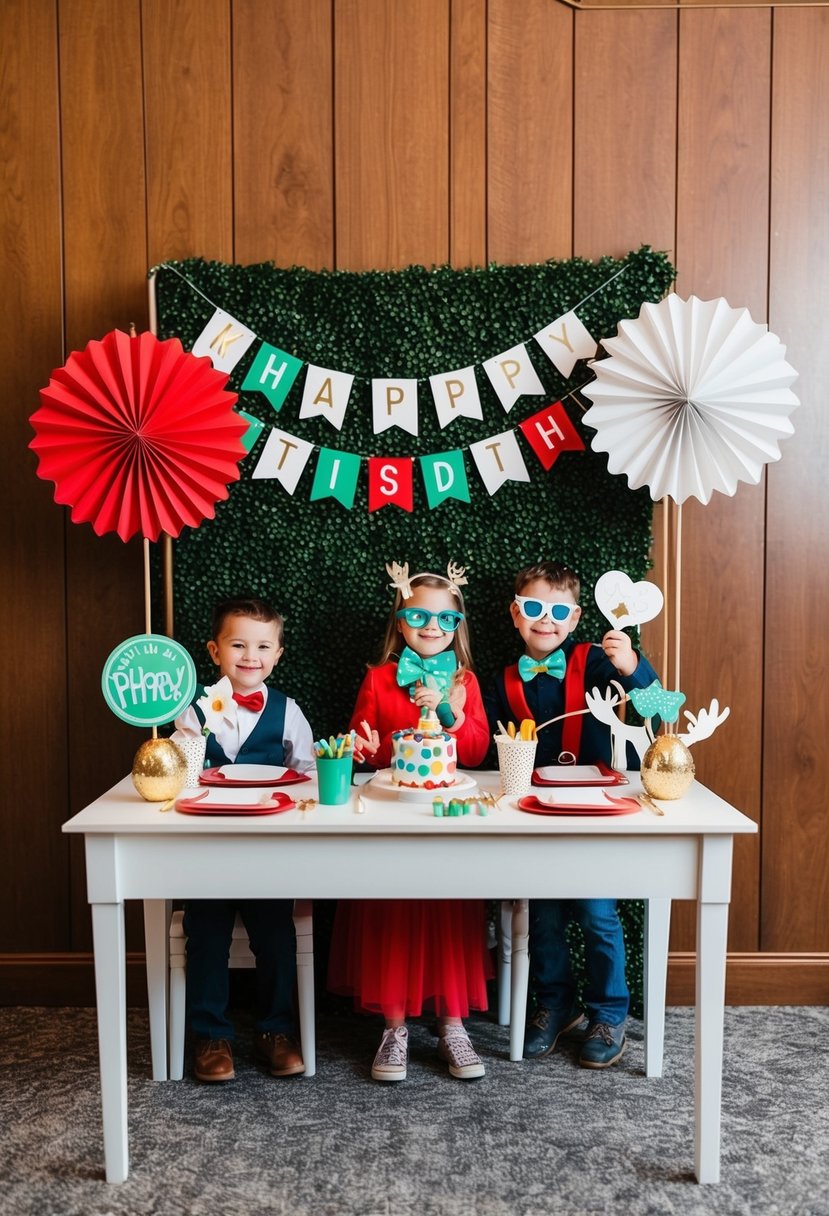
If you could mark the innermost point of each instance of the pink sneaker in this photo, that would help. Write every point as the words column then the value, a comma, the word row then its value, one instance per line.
column 455, row 1048
column 392, row 1054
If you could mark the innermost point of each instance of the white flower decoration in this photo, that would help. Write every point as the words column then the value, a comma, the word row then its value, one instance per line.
column 218, row 705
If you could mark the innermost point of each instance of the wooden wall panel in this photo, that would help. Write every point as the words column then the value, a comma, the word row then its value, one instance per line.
column 105, row 267
column 366, row 134
column 722, row 250
column 186, row 64
column 624, row 107
column 282, row 132
column 31, row 526
column 795, row 840
column 392, row 133
column 467, row 133
column 530, row 131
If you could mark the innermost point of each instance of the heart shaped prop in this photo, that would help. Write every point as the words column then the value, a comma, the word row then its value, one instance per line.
column 627, row 603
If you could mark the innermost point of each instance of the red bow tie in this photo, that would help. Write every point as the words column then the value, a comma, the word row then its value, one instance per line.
column 254, row 701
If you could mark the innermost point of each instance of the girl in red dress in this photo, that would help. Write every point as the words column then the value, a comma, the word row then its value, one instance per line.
column 397, row 956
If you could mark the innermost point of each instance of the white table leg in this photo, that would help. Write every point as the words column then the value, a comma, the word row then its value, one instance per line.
column 712, row 934
column 111, row 996
column 504, row 960
column 657, row 930
column 520, row 977
column 156, row 944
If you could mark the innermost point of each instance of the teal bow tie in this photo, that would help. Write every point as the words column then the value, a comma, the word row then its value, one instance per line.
column 554, row 665
column 435, row 671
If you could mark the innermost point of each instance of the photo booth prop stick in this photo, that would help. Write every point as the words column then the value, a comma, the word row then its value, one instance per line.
column 694, row 398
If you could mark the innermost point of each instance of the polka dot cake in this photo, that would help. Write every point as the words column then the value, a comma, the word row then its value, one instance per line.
column 423, row 758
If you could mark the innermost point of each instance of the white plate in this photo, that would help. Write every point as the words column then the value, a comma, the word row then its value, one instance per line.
column 252, row 772
column 462, row 784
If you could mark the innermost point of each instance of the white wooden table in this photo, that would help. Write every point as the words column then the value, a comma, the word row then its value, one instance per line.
column 399, row 850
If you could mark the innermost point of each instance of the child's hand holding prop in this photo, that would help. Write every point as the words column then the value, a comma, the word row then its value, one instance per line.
column 366, row 743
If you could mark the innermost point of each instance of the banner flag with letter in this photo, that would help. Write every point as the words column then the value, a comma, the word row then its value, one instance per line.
column 255, row 429
column 499, row 459
column 336, row 476
column 390, row 480
column 224, row 340
column 565, row 341
column 394, row 403
column 456, row 396
column 283, row 458
column 326, row 395
column 512, row 375
column 272, row 372
column 549, row 432
column 444, row 476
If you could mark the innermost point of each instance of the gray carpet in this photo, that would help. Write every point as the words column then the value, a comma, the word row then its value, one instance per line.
column 530, row 1139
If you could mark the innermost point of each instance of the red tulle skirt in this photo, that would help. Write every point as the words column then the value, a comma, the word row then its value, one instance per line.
column 396, row 956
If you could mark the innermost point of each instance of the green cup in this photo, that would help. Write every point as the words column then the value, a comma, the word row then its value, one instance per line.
column 334, row 779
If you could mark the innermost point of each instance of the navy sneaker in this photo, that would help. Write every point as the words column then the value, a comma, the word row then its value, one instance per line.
column 603, row 1045
column 546, row 1028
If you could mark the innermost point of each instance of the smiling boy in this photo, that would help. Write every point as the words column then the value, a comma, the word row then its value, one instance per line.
column 550, row 679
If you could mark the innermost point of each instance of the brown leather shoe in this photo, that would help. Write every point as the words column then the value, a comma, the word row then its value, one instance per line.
column 280, row 1053
column 214, row 1060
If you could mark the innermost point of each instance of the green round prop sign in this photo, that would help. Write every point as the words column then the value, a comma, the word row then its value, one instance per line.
column 148, row 680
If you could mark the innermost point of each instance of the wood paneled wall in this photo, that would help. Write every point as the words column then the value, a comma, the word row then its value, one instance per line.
column 377, row 133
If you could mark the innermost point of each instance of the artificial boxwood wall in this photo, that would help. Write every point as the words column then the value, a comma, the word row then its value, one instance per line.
column 323, row 565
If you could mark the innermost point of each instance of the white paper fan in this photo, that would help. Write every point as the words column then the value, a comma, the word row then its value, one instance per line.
column 694, row 398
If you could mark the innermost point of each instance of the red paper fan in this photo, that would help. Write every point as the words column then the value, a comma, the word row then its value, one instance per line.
column 138, row 435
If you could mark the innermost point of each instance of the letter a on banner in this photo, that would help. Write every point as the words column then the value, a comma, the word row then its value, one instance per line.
column 272, row 372
column 565, row 341
column 224, row 340
column 390, row 480
column 444, row 476
column 512, row 375
column 549, row 432
column 336, row 476
column 283, row 458
column 499, row 459
column 326, row 395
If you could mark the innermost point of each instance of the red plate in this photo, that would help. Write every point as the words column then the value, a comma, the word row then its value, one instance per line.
column 215, row 776
column 195, row 806
column 605, row 776
column 618, row 806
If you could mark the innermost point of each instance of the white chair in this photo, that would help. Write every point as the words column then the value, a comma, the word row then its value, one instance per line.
column 241, row 956
column 514, row 974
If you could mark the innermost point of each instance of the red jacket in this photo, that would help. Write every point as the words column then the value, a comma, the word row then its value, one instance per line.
column 387, row 707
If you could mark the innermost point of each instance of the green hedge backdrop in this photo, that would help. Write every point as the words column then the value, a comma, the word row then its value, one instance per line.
column 322, row 565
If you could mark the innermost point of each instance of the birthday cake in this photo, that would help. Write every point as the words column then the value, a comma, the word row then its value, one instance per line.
column 423, row 757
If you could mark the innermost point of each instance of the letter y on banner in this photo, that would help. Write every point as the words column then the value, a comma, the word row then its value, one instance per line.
column 549, row 432
column 565, row 341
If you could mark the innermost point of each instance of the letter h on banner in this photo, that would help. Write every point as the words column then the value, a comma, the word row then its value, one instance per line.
column 549, row 432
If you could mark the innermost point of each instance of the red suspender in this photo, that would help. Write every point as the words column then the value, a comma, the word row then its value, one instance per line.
column 516, row 697
column 573, row 696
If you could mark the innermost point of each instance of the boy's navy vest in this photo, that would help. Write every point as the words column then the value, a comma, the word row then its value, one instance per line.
column 264, row 743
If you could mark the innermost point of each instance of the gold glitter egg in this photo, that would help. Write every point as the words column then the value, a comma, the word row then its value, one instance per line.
column 159, row 770
column 668, row 768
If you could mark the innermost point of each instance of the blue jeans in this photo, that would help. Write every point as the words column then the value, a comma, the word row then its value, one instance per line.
column 208, row 924
column 606, row 994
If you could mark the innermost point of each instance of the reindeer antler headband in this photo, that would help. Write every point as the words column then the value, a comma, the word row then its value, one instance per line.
column 402, row 581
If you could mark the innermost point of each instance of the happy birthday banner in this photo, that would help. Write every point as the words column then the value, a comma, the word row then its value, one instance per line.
column 395, row 403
